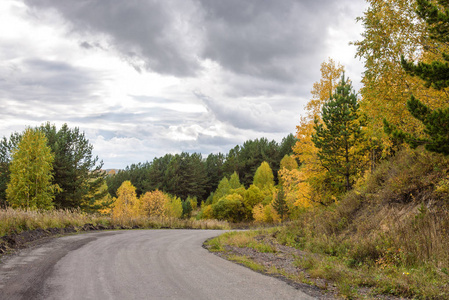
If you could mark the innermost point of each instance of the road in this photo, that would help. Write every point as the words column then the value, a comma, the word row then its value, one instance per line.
column 135, row 264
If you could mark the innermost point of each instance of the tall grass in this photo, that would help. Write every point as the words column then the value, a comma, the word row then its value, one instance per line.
column 157, row 222
column 15, row 221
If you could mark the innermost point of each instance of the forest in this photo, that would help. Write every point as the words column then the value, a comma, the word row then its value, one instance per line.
column 364, row 180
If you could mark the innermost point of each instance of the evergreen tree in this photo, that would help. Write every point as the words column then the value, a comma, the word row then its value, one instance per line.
column 75, row 170
column 339, row 137
column 436, row 75
column 31, row 173
column 215, row 171
column 186, row 209
column 280, row 203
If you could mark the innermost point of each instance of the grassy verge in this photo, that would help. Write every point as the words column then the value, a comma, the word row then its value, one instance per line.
column 15, row 221
column 352, row 281
column 242, row 239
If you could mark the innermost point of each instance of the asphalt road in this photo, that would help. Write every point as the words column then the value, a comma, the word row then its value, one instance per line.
column 138, row 264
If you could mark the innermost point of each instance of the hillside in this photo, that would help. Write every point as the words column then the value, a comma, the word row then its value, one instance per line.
column 387, row 236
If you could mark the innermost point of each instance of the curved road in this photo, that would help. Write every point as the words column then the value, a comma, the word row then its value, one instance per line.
column 138, row 264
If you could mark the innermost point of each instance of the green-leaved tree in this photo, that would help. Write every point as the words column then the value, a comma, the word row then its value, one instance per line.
column 30, row 184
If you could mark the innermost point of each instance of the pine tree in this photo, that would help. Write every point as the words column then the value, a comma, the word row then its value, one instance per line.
column 31, row 173
column 339, row 137
column 186, row 209
column 435, row 75
column 280, row 203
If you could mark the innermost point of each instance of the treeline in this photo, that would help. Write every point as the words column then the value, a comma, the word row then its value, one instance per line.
column 192, row 175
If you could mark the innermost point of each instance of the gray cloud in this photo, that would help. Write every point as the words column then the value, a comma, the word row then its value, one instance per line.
column 266, row 39
column 151, row 31
column 35, row 79
column 274, row 40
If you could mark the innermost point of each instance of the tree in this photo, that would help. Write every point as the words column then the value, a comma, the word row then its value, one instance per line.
column 174, row 207
column 435, row 75
column 76, row 170
column 126, row 205
column 252, row 196
column 155, row 204
column 340, row 137
column 215, row 171
column 222, row 190
column 312, row 177
column 30, row 184
column 187, row 209
column 288, row 163
column 234, row 182
column 393, row 29
column 280, row 203
column 6, row 148
column 230, row 208
column 264, row 178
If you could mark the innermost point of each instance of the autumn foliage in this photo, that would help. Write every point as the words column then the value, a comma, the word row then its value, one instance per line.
column 152, row 204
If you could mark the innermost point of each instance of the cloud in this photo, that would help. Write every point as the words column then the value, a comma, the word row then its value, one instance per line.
column 248, row 115
column 34, row 79
column 157, row 34
column 269, row 40
column 266, row 39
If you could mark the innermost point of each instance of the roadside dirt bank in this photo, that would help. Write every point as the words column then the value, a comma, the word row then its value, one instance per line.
column 9, row 243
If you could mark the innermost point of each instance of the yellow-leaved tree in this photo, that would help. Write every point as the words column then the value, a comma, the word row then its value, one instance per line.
column 126, row 206
column 392, row 29
column 30, row 184
column 295, row 187
column 311, row 182
column 159, row 204
column 155, row 204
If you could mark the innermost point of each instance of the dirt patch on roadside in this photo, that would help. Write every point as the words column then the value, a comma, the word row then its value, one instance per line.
column 12, row 242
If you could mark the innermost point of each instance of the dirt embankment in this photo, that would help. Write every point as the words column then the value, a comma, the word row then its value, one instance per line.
column 23, row 239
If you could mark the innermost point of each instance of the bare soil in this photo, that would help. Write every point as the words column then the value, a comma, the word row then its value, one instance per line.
column 9, row 243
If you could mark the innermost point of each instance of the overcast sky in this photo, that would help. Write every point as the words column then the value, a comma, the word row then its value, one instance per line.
column 143, row 78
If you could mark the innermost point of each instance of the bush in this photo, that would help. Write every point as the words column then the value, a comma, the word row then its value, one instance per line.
column 230, row 208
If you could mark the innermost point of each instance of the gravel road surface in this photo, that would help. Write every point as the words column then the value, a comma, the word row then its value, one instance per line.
column 135, row 264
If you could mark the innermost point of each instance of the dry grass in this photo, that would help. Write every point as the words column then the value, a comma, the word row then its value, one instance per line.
column 14, row 221
column 245, row 239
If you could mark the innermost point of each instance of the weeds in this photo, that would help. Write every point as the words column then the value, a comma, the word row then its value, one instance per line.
column 247, row 262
